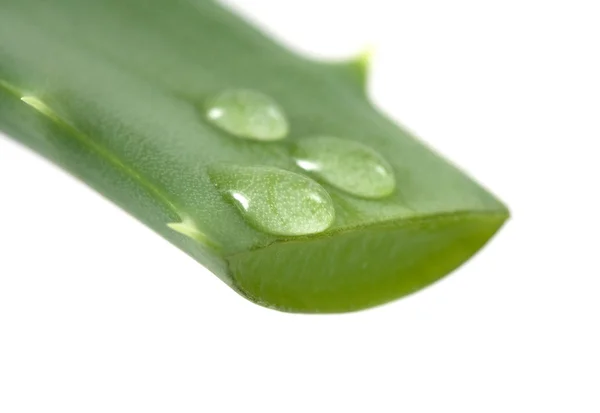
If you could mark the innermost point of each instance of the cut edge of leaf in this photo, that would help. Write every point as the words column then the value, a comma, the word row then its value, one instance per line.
column 364, row 267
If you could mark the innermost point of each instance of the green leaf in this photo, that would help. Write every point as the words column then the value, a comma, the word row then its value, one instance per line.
column 120, row 94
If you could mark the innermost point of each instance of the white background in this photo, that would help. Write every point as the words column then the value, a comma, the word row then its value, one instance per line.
column 98, row 314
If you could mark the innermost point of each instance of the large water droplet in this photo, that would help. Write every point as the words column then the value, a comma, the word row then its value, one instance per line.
column 247, row 114
column 274, row 200
column 347, row 165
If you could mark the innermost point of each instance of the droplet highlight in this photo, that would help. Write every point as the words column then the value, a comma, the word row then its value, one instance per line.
column 347, row 165
column 274, row 200
column 247, row 114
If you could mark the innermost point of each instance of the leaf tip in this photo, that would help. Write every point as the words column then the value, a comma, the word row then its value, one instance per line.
column 364, row 59
column 359, row 66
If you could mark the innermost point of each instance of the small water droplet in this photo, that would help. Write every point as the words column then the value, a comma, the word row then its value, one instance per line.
column 274, row 200
column 247, row 114
column 350, row 166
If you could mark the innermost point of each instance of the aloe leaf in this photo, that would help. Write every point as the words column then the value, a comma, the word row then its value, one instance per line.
column 272, row 170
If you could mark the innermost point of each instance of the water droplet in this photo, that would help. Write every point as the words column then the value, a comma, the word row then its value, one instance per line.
column 247, row 114
column 347, row 165
column 274, row 200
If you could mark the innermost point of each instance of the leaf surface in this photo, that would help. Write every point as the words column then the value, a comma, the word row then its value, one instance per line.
column 115, row 92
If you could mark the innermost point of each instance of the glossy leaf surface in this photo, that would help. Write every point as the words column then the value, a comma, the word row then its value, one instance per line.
column 116, row 92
